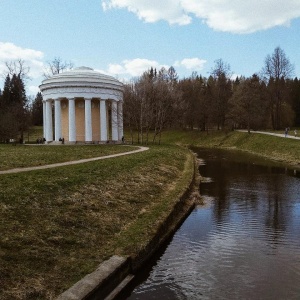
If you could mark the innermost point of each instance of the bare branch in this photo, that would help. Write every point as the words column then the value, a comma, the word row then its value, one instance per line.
column 17, row 67
column 221, row 69
column 57, row 66
column 278, row 65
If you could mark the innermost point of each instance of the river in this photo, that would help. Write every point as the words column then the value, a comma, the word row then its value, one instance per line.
column 244, row 243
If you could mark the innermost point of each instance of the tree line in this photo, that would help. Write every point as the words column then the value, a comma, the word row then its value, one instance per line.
column 18, row 112
column 269, row 99
column 158, row 99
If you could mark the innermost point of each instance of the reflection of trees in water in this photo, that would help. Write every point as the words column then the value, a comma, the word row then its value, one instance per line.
column 263, row 188
column 218, row 188
column 277, row 212
column 275, row 218
column 234, row 184
column 222, row 204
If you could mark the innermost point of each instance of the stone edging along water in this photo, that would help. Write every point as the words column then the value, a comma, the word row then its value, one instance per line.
column 116, row 273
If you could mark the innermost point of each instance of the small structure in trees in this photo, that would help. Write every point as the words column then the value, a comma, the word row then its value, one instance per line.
column 88, row 107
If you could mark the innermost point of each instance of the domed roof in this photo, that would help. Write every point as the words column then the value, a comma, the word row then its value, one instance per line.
column 82, row 76
column 82, row 82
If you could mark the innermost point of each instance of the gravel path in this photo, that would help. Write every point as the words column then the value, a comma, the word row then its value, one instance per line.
column 289, row 136
column 73, row 162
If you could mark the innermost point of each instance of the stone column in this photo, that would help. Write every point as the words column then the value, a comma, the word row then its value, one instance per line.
column 103, row 122
column 120, row 120
column 72, row 120
column 57, row 119
column 49, row 129
column 44, row 118
column 88, row 120
column 114, row 121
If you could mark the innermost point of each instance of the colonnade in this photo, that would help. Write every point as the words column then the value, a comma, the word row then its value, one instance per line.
column 111, row 126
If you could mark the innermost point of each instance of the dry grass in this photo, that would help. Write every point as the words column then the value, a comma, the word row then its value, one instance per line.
column 270, row 147
column 57, row 225
column 21, row 156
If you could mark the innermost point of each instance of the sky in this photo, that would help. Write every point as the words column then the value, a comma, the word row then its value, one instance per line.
column 124, row 38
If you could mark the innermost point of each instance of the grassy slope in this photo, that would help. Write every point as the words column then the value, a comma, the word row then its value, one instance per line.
column 272, row 147
column 57, row 225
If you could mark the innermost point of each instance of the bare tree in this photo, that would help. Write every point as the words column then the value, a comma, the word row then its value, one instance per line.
column 221, row 68
column 17, row 67
column 134, row 107
column 248, row 103
column 192, row 95
column 221, row 92
column 149, row 103
column 130, row 112
column 276, row 70
column 277, row 65
column 57, row 66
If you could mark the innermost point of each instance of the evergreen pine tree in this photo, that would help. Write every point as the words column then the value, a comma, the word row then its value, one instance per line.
column 37, row 110
column 14, row 117
column 6, row 95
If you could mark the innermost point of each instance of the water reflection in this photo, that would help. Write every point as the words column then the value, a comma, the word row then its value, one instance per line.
column 244, row 245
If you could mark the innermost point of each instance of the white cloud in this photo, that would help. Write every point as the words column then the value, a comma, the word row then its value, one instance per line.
column 9, row 51
column 152, row 11
column 116, row 69
column 234, row 76
column 33, row 89
column 31, row 57
column 233, row 16
column 191, row 63
column 134, row 67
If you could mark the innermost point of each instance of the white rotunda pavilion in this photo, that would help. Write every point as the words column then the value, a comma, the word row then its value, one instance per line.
column 82, row 105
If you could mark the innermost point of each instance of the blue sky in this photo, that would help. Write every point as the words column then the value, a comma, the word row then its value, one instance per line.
column 123, row 38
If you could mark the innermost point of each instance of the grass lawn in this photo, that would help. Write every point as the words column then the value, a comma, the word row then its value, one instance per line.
column 20, row 156
column 271, row 147
column 58, row 224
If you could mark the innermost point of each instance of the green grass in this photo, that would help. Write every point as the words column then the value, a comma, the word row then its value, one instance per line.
column 20, row 156
column 271, row 147
column 33, row 134
column 58, row 224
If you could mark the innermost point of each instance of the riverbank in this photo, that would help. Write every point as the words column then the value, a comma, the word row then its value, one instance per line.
column 268, row 146
column 241, row 243
column 58, row 225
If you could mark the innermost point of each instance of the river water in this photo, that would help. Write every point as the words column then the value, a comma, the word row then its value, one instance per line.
column 244, row 243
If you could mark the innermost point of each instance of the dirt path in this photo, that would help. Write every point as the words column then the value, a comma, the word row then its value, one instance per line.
column 73, row 162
